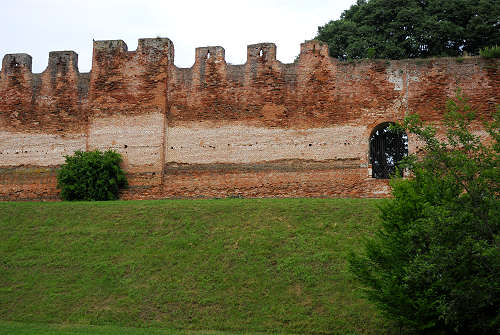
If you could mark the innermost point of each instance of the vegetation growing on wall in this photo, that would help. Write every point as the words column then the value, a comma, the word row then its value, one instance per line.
column 490, row 52
column 398, row 29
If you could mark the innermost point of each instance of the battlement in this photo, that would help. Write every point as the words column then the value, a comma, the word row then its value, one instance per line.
column 314, row 47
column 13, row 63
column 154, row 58
column 62, row 62
column 265, row 52
column 210, row 54
column 154, row 50
column 110, row 46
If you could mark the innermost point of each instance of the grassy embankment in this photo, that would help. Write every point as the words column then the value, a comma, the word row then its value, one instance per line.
column 235, row 265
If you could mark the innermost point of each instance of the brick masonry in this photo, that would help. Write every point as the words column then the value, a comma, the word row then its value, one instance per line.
column 260, row 129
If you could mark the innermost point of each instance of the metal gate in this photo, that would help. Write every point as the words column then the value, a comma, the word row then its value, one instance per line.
column 387, row 148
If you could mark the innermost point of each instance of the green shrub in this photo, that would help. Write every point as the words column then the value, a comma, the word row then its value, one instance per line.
column 434, row 266
column 490, row 52
column 92, row 175
column 370, row 53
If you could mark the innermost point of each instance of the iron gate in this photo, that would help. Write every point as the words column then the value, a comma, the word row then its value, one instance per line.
column 387, row 148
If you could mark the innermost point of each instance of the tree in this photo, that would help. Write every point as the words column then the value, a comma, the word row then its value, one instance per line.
column 92, row 175
column 434, row 265
column 398, row 29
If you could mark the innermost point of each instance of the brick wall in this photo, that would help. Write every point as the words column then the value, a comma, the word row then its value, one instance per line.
column 263, row 128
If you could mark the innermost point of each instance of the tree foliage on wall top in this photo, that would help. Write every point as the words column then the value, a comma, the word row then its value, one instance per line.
column 397, row 29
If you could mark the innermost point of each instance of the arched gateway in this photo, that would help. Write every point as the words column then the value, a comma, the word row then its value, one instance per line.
column 387, row 148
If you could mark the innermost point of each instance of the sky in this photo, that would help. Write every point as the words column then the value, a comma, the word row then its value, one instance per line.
column 37, row 27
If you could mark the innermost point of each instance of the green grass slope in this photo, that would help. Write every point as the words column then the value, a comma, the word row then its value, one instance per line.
column 256, row 265
column 18, row 328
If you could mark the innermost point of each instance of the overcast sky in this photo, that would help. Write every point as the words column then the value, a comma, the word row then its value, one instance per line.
column 39, row 26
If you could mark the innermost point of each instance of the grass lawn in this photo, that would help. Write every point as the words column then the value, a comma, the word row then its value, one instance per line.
column 17, row 328
column 232, row 265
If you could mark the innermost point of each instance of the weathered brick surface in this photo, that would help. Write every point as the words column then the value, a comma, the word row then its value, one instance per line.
column 216, row 130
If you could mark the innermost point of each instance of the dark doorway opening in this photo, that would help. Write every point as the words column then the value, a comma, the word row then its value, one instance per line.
column 387, row 148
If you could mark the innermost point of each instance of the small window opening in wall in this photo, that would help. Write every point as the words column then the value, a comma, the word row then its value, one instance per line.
column 125, row 146
column 387, row 148
column 208, row 54
column 261, row 53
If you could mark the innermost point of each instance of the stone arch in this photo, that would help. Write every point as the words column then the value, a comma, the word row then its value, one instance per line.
column 387, row 149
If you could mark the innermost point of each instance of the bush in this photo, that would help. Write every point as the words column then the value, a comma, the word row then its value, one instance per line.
column 434, row 265
column 92, row 175
column 490, row 52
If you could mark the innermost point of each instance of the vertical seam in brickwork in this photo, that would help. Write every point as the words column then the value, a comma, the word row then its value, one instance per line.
column 407, row 88
column 87, row 131
column 165, row 129
column 163, row 142
column 90, row 102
